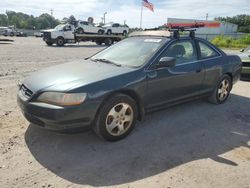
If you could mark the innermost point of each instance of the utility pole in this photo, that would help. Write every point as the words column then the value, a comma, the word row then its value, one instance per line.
column 104, row 18
column 51, row 12
column 207, row 16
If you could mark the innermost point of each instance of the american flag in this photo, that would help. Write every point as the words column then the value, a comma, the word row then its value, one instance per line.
column 148, row 5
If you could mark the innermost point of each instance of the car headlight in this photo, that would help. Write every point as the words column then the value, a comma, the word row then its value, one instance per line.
column 62, row 99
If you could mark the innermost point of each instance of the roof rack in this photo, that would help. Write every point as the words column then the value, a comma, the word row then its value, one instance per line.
column 177, row 27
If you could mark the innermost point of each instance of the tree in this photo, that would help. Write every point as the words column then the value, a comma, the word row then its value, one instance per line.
column 24, row 21
column 243, row 22
column 3, row 20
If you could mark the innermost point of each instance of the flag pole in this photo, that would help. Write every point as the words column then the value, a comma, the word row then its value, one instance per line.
column 141, row 16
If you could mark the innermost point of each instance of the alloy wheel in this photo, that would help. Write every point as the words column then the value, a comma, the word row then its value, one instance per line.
column 119, row 119
column 223, row 90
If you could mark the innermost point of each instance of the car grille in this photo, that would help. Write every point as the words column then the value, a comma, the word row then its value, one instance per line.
column 246, row 64
column 47, row 35
column 25, row 91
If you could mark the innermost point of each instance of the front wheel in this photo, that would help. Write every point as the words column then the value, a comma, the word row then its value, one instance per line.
column 60, row 41
column 222, row 90
column 100, row 32
column 109, row 32
column 116, row 118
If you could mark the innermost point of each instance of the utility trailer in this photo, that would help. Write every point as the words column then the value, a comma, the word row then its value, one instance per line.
column 99, row 39
column 64, row 34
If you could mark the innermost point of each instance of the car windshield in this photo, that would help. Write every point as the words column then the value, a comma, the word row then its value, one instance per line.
column 60, row 27
column 132, row 52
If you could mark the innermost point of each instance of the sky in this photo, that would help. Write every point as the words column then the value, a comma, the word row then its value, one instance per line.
column 130, row 10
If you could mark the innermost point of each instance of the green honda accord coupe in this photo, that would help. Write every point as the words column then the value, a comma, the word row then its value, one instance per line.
column 114, row 88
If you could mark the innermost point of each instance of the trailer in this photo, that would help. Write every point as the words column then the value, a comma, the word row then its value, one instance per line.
column 67, row 34
column 99, row 39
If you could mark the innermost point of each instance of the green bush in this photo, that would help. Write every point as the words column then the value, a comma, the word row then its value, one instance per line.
column 229, row 42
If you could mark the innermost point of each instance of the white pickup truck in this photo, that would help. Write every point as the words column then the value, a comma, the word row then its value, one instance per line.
column 116, row 28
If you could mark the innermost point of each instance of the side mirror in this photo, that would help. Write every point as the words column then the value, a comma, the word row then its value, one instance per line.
column 166, row 62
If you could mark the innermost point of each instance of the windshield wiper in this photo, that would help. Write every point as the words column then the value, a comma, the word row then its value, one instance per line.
column 108, row 61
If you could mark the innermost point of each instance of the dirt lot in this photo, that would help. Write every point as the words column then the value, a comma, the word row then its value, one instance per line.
column 191, row 145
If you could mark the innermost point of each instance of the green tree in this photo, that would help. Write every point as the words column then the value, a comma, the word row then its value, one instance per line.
column 3, row 20
column 243, row 22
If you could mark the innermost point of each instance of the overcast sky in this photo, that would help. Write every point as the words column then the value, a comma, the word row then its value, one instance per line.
column 129, row 10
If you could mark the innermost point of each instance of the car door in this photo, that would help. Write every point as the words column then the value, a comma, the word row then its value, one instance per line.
column 184, row 80
column 212, row 60
column 115, row 28
column 68, row 32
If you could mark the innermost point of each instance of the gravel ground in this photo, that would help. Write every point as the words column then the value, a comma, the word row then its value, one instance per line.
column 196, row 144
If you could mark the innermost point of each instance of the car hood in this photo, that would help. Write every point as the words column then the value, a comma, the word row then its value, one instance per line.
column 49, row 30
column 244, row 56
column 72, row 75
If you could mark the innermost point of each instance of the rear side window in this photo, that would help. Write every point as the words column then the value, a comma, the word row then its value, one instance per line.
column 207, row 51
column 182, row 51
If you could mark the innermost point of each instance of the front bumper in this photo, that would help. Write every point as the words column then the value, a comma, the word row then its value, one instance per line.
column 245, row 73
column 58, row 118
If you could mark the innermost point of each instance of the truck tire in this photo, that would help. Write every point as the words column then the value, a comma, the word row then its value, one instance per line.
column 60, row 41
column 49, row 43
column 99, row 43
column 108, row 41
column 109, row 32
column 124, row 33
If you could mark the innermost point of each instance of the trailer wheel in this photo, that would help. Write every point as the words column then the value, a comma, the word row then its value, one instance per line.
column 60, row 41
column 108, row 41
column 98, row 43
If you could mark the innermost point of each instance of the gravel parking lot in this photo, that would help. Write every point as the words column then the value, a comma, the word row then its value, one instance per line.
column 196, row 144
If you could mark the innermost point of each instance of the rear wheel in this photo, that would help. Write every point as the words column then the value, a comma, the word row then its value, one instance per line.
column 222, row 90
column 124, row 33
column 60, row 41
column 108, row 41
column 109, row 32
column 116, row 118
column 99, row 43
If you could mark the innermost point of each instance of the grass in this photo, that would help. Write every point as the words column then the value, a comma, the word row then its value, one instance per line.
column 229, row 42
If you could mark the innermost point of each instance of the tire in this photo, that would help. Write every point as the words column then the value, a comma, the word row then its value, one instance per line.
column 100, row 32
column 60, row 41
column 124, row 33
column 49, row 43
column 108, row 41
column 109, row 32
column 98, row 43
column 111, row 123
column 222, row 90
column 80, row 31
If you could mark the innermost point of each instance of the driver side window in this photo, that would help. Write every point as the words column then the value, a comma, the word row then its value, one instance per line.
column 182, row 51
